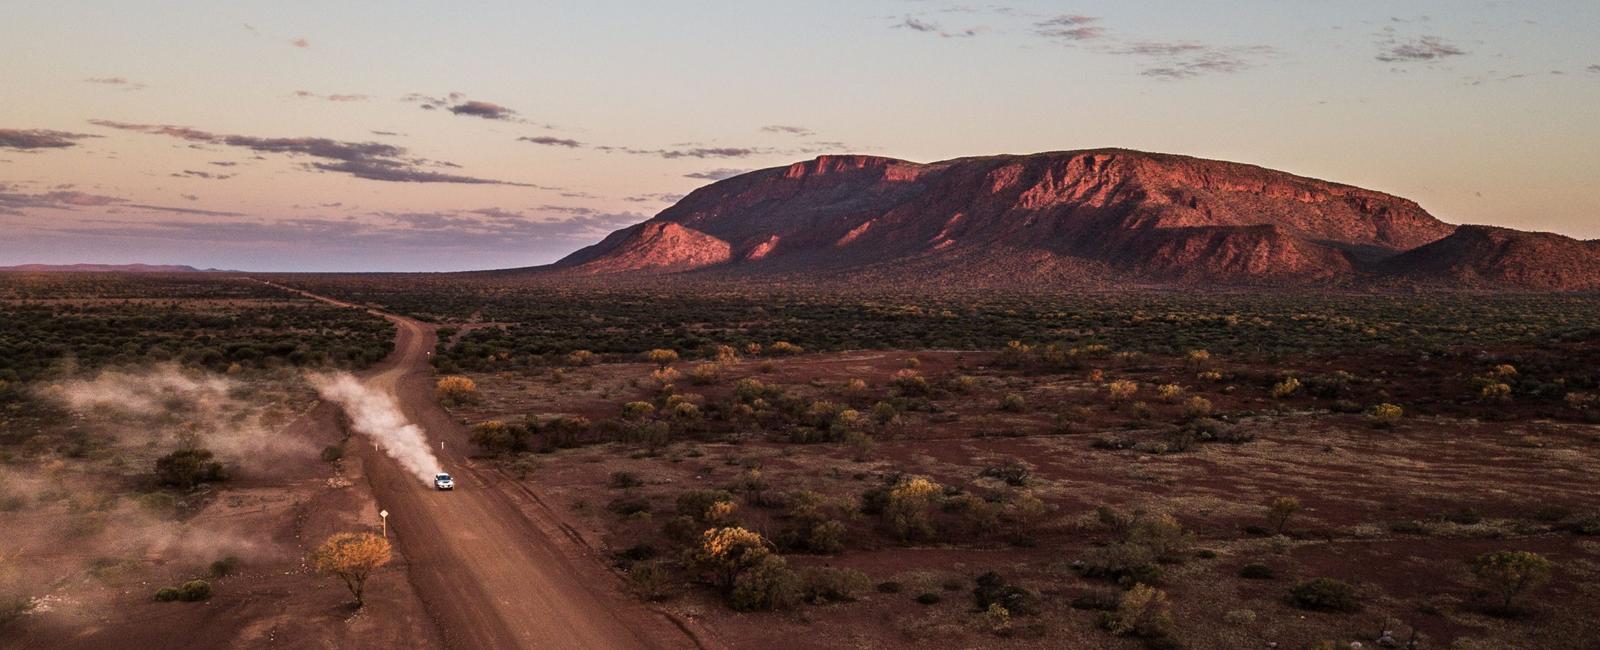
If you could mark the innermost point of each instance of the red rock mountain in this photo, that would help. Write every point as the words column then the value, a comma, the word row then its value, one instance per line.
column 1489, row 257
column 1063, row 218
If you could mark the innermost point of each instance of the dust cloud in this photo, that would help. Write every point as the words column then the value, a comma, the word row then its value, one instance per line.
column 375, row 415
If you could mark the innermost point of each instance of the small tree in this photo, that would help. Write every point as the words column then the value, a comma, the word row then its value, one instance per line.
column 1285, row 388
column 351, row 557
column 1509, row 573
column 662, row 358
column 1279, row 510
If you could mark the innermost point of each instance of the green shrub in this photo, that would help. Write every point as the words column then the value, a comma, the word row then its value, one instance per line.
column 824, row 584
column 194, row 591
column 166, row 594
column 928, row 598
column 1325, row 595
column 189, row 467
column 224, row 567
column 994, row 590
column 768, row 585
column 1256, row 571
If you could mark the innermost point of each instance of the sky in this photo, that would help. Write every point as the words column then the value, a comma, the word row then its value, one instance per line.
column 412, row 135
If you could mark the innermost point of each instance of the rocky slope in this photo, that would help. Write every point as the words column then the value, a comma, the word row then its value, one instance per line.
column 1062, row 218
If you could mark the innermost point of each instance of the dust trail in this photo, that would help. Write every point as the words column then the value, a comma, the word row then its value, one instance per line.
column 375, row 414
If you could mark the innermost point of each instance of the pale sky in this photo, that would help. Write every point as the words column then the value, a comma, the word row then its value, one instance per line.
column 424, row 135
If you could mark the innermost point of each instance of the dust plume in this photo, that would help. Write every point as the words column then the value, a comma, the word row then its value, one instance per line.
column 375, row 415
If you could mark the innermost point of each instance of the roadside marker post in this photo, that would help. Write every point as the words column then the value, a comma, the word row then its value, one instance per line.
column 385, row 515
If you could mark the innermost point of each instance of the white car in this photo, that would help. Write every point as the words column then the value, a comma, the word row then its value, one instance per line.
column 444, row 482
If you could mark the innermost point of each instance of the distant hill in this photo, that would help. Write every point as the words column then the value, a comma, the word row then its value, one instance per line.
column 101, row 268
column 1067, row 219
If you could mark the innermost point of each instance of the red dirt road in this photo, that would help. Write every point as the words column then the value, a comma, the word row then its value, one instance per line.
column 493, row 574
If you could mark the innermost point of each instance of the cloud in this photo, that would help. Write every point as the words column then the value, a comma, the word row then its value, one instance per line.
column 916, row 24
column 551, row 142
column 306, row 94
column 190, row 173
column 716, row 174
column 797, row 131
column 15, row 203
column 300, row 43
column 1594, row 68
column 1070, row 27
column 1186, row 59
column 32, row 139
column 657, row 198
column 693, row 152
column 458, row 104
column 444, row 230
column 120, row 82
column 1421, row 48
column 369, row 160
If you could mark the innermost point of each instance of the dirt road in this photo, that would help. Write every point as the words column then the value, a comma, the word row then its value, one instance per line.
column 492, row 575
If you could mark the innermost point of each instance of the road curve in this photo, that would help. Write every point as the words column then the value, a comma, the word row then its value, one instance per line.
column 492, row 574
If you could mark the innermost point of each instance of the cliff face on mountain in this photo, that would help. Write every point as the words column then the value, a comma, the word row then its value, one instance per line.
column 1073, row 217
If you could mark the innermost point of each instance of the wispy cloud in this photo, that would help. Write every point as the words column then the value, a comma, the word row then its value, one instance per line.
column 693, row 152
column 1070, row 27
column 797, row 131
column 925, row 26
column 119, row 82
column 306, row 94
column 458, row 104
column 716, row 174
column 16, row 203
column 34, row 139
column 551, row 141
column 443, row 230
column 300, row 43
column 369, row 160
column 1173, row 60
column 1394, row 49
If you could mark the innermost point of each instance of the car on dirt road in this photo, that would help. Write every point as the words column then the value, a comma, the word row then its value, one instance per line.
column 443, row 482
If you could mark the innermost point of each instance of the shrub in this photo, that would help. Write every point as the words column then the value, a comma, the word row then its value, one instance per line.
column 1163, row 535
column 910, row 383
column 627, row 506
column 1495, row 391
column 726, row 553
column 784, row 348
column 166, row 594
column 1385, row 415
column 705, row 373
column 662, row 358
column 650, row 580
column 1197, row 407
column 625, row 480
column 1256, row 571
column 1013, row 472
column 456, row 390
column 928, row 598
column 1013, row 403
column 767, row 585
column 332, row 453
column 696, row 504
column 1121, row 390
column 994, row 590
column 909, row 506
column 194, row 591
column 890, row 587
column 824, row 584
column 1169, row 392
column 189, row 467
column 1197, row 357
column 1279, row 510
column 1142, row 612
column 1508, row 574
column 1324, row 595
column 224, row 567
column 582, row 358
column 638, row 410
column 1285, row 388
column 1239, row 617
